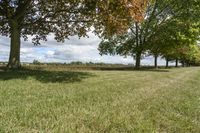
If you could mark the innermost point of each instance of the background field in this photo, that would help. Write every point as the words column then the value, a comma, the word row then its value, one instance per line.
column 58, row 99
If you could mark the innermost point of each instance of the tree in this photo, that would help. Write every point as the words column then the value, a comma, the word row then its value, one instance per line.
column 123, row 45
column 158, row 33
column 179, row 29
column 20, row 18
column 176, row 41
column 154, row 48
column 38, row 18
column 136, row 41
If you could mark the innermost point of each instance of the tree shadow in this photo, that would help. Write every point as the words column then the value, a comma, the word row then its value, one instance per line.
column 151, row 69
column 45, row 76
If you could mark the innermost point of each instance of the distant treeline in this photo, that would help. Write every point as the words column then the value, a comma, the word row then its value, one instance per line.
column 98, row 64
column 36, row 62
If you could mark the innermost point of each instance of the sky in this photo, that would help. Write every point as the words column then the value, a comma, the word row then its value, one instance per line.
column 74, row 49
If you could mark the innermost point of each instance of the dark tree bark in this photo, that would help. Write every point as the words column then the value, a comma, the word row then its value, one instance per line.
column 138, row 60
column 156, row 61
column 14, row 59
column 176, row 63
column 167, row 63
column 138, row 53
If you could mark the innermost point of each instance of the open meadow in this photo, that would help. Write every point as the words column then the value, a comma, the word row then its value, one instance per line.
column 61, row 100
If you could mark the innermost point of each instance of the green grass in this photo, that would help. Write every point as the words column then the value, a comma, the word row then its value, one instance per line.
column 60, row 100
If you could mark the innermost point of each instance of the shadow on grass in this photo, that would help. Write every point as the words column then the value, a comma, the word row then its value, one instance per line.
column 150, row 69
column 45, row 76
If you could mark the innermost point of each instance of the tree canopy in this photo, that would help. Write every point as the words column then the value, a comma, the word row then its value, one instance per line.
column 167, row 26
column 128, row 27
column 64, row 18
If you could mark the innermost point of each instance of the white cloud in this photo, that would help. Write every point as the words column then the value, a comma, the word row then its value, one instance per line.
column 50, row 53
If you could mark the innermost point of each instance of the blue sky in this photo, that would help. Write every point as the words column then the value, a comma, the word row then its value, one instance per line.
column 74, row 49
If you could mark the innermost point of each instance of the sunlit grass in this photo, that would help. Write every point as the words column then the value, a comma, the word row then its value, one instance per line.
column 59, row 100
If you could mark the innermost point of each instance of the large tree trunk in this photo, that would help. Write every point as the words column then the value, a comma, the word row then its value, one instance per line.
column 138, row 60
column 156, row 61
column 167, row 63
column 14, row 59
column 176, row 63
column 138, row 53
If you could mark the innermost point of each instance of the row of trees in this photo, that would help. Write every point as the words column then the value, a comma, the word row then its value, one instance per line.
column 64, row 18
column 170, row 29
column 167, row 28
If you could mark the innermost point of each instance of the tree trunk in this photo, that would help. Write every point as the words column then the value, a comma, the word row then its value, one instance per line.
column 138, row 53
column 14, row 59
column 138, row 60
column 176, row 62
column 156, row 61
column 167, row 63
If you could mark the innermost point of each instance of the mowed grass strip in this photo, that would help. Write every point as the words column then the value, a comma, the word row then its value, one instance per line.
column 165, row 100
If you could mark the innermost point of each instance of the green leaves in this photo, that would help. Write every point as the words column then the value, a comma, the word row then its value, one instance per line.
column 67, row 17
column 170, row 29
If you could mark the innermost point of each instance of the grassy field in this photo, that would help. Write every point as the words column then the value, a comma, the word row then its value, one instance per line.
column 61, row 100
